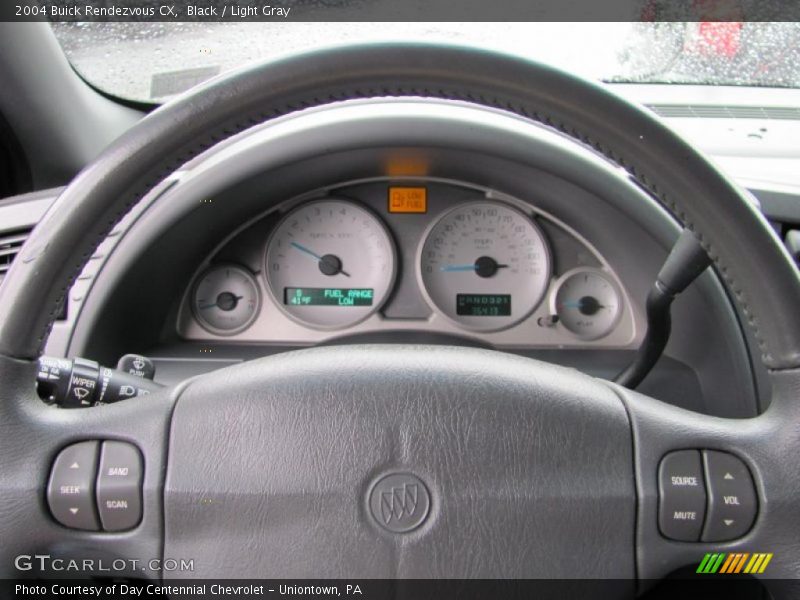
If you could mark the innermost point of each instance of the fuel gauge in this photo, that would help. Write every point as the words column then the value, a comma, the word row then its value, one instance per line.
column 226, row 299
column 588, row 303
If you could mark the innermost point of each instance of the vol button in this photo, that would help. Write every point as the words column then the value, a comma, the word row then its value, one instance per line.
column 732, row 503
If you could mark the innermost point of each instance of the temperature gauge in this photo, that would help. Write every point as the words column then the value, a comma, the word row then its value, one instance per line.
column 588, row 303
column 226, row 299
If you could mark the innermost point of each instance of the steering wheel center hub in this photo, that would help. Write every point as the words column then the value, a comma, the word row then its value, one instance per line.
column 397, row 459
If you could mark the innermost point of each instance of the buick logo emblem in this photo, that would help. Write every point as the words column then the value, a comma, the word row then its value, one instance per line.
column 399, row 502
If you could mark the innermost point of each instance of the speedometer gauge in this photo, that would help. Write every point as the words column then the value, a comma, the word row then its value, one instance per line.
column 485, row 265
column 330, row 264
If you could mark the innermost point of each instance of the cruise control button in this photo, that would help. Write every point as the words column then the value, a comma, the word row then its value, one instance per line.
column 682, row 496
column 119, row 486
column 732, row 504
column 70, row 492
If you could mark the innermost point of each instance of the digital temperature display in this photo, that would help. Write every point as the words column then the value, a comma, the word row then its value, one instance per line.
column 328, row 296
column 483, row 305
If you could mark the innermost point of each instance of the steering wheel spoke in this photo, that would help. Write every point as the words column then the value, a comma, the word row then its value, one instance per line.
column 735, row 480
column 32, row 436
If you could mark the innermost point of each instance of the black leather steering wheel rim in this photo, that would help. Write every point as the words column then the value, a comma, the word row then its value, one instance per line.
column 747, row 253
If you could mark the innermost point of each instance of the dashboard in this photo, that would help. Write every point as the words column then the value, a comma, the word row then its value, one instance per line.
column 408, row 254
column 401, row 222
column 412, row 228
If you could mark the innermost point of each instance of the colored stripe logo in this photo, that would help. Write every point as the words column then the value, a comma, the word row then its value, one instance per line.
column 734, row 562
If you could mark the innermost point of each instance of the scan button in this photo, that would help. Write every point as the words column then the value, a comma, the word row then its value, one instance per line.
column 119, row 486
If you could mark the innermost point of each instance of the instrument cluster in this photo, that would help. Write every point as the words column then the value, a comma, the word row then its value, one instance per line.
column 407, row 255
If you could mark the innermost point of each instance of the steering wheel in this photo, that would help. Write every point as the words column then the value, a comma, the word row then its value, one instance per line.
column 405, row 461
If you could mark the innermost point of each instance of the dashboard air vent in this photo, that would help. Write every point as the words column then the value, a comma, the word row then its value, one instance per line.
column 687, row 111
column 10, row 244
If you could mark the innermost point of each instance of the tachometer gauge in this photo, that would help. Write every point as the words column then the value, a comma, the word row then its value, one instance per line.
column 485, row 265
column 587, row 303
column 330, row 264
column 226, row 299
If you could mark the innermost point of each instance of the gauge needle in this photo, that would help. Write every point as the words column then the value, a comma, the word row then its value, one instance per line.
column 329, row 264
column 485, row 266
column 588, row 305
column 571, row 304
column 579, row 304
column 306, row 250
column 217, row 302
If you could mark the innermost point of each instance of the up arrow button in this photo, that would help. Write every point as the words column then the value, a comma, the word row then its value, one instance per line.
column 728, row 476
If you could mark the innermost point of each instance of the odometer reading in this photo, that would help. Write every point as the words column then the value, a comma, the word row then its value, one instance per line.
column 475, row 251
column 483, row 305
column 328, row 296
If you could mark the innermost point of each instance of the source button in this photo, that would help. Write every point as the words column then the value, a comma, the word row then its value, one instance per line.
column 682, row 496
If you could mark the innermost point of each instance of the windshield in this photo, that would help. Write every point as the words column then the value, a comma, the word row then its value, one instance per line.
column 151, row 62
